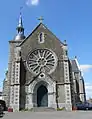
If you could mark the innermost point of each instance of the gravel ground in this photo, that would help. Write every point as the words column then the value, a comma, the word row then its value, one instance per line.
column 49, row 115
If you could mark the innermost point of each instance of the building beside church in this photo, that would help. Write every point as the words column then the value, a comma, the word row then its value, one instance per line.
column 78, row 82
column 40, row 73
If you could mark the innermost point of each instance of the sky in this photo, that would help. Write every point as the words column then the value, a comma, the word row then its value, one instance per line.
column 69, row 20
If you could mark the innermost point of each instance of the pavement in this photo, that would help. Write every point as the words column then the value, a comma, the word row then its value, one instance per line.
column 49, row 115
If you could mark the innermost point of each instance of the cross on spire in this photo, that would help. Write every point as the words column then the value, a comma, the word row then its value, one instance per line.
column 21, row 9
column 41, row 19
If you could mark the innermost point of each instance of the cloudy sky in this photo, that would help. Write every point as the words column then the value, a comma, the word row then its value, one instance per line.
column 69, row 20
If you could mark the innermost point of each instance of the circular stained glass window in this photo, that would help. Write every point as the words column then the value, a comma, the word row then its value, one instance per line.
column 41, row 60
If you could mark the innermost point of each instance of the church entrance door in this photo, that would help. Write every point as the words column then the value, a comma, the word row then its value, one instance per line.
column 42, row 96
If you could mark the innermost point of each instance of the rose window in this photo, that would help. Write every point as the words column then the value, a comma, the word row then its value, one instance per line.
column 41, row 60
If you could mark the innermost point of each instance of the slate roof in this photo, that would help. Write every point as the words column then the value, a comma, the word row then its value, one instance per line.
column 74, row 66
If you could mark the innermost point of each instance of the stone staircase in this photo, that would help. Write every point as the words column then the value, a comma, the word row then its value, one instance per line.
column 43, row 109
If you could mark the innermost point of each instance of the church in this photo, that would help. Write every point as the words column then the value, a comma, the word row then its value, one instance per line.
column 40, row 72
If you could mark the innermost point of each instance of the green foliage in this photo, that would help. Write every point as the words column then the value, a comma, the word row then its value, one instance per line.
column 61, row 109
column 26, row 109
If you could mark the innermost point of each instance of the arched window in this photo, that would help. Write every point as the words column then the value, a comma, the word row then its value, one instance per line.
column 41, row 37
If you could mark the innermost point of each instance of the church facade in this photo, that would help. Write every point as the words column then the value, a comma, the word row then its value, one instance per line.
column 40, row 73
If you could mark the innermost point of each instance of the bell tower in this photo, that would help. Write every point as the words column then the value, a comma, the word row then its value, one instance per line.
column 20, row 29
column 14, row 66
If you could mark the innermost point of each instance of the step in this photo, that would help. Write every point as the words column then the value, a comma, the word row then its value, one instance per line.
column 43, row 109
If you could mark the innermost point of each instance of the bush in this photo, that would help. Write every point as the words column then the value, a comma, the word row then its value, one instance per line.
column 61, row 109
column 26, row 109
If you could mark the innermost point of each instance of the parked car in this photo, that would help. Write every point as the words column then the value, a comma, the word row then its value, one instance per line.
column 88, row 105
column 84, row 106
column 1, row 111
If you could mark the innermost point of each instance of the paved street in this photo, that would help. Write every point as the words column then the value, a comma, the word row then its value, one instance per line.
column 49, row 115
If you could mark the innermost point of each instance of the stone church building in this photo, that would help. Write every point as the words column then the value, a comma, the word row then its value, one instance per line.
column 40, row 73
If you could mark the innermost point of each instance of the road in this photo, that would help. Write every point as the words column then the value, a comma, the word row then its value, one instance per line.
column 49, row 115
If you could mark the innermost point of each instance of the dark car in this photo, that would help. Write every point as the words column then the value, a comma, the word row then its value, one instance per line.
column 88, row 105
column 1, row 110
column 84, row 106
column 80, row 106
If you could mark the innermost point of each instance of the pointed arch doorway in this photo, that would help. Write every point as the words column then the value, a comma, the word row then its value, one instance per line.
column 42, row 96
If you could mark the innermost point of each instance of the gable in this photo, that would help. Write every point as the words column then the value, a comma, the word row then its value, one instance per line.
column 41, row 26
column 50, row 41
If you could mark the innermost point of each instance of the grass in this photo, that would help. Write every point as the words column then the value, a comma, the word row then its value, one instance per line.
column 61, row 109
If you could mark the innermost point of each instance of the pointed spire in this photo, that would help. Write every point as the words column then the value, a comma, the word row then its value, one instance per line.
column 20, row 24
column 20, row 29
column 75, row 57
column 20, row 21
column 65, row 43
